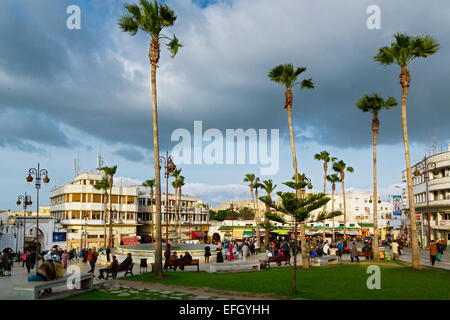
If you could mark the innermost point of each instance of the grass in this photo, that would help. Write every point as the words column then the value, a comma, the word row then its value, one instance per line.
column 346, row 281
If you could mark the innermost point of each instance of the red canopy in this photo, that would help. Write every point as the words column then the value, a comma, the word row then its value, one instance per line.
column 198, row 234
column 129, row 240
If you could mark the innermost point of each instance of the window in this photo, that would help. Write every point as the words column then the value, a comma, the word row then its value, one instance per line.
column 97, row 198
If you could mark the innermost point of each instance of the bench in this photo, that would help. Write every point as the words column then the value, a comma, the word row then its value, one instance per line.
column 365, row 254
column 216, row 267
column 323, row 261
column 286, row 259
column 128, row 268
column 29, row 291
column 184, row 263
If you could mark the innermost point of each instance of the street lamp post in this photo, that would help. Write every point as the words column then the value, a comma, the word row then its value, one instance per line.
column 427, row 166
column 26, row 202
column 169, row 166
column 37, row 173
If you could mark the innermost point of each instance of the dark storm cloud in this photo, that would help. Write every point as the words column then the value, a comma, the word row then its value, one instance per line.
column 130, row 154
column 96, row 80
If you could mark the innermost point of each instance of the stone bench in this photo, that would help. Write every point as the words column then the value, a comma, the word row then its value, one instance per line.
column 217, row 267
column 323, row 261
column 29, row 291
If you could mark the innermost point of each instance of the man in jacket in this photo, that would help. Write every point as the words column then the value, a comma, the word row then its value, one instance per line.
column 433, row 252
column 354, row 253
column 111, row 268
column 92, row 259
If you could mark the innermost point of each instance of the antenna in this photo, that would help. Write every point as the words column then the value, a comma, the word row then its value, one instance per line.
column 434, row 142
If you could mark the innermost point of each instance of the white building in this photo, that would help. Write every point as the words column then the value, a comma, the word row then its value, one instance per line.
column 438, row 196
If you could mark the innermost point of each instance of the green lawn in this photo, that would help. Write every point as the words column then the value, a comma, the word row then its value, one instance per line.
column 331, row 282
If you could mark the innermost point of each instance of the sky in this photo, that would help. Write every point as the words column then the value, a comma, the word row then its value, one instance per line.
column 67, row 94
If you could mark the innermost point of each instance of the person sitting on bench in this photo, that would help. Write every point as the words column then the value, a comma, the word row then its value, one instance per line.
column 186, row 257
column 173, row 260
column 111, row 268
column 128, row 260
column 46, row 272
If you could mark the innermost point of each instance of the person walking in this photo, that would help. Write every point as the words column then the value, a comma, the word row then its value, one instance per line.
column 433, row 252
column 167, row 256
column 92, row 259
column 394, row 248
column 64, row 259
column 230, row 252
column 207, row 253
column 354, row 252
column 245, row 251
column 28, row 261
column 108, row 252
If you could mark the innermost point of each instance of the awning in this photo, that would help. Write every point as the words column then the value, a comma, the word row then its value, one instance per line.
column 129, row 240
column 247, row 234
column 281, row 232
column 238, row 234
column 351, row 233
column 198, row 234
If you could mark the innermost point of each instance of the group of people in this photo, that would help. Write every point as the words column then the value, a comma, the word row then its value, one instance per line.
column 230, row 250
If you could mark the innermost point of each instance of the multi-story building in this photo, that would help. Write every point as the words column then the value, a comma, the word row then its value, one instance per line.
column 190, row 223
column 438, row 196
column 238, row 205
column 80, row 210
column 359, row 215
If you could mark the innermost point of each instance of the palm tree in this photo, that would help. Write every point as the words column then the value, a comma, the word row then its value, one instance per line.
column 287, row 76
column 299, row 209
column 152, row 18
column 269, row 188
column 374, row 104
column 340, row 167
column 333, row 178
column 103, row 185
column 110, row 172
column 176, row 174
column 401, row 52
column 151, row 184
column 250, row 178
column 325, row 157
column 257, row 185
column 180, row 186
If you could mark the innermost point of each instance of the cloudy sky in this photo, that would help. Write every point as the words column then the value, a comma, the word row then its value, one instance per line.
column 65, row 93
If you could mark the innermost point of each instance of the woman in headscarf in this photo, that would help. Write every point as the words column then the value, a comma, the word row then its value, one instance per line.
column 219, row 258
column 230, row 252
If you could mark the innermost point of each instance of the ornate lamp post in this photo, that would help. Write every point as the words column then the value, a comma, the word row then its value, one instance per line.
column 169, row 167
column 26, row 202
column 37, row 173
column 427, row 166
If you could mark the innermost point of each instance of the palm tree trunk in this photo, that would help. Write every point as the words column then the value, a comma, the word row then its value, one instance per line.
column 179, row 210
column 305, row 263
column 294, row 275
column 376, row 252
column 332, row 207
column 104, row 217
column 325, row 167
column 412, row 210
column 345, row 208
column 111, row 244
column 266, row 231
column 154, row 50
column 258, row 236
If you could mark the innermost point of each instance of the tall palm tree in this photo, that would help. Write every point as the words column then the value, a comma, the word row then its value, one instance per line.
column 250, row 178
column 181, row 183
column 110, row 172
column 257, row 185
column 402, row 52
column 325, row 157
column 286, row 75
column 340, row 167
column 176, row 174
column 333, row 178
column 374, row 104
column 103, row 185
column 268, row 186
column 152, row 18
column 151, row 184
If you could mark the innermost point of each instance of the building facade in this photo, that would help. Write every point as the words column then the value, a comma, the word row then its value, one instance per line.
column 438, row 205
